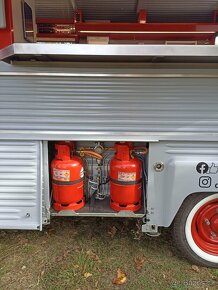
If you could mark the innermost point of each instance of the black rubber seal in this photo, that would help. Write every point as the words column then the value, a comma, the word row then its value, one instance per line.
column 67, row 182
column 126, row 182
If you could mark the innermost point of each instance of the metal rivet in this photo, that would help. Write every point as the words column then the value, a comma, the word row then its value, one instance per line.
column 213, row 235
column 28, row 215
column 159, row 166
column 207, row 222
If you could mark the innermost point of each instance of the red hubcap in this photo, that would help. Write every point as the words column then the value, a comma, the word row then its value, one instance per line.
column 205, row 227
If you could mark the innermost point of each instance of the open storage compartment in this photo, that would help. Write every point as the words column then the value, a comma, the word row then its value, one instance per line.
column 92, row 166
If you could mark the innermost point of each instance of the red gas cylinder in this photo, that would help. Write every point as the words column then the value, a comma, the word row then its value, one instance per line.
column 125, row 179
column 67, row 179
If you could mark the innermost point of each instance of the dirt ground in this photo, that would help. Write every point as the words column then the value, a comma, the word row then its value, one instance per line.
column 96, row 253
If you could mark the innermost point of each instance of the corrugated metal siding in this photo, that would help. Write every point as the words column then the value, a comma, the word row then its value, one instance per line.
column 54, row 9
column 179, row 11
column 126, row 10
column 20, row 185
column 116, row 11
column 119, row 11
column 107, row 108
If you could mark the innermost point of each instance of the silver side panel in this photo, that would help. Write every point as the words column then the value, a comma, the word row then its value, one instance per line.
column 189, row 167
column 45, row 105
column 20, row 185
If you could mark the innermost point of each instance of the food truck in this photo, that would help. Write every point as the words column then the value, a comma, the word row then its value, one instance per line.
column 110, row 109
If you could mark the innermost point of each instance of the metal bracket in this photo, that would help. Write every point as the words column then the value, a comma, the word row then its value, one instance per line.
column 152, row 229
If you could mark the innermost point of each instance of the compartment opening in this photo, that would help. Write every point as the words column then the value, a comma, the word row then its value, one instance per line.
column 98, row 178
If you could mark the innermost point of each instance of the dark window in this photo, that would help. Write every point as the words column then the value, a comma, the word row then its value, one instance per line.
column 28, row 22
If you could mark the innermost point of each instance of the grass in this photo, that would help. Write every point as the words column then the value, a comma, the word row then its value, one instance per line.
column 85, row 254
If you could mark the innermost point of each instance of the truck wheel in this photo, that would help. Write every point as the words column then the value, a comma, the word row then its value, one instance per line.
column 195, row 229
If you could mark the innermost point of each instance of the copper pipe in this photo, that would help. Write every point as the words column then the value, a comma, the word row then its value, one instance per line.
column 92, row 154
